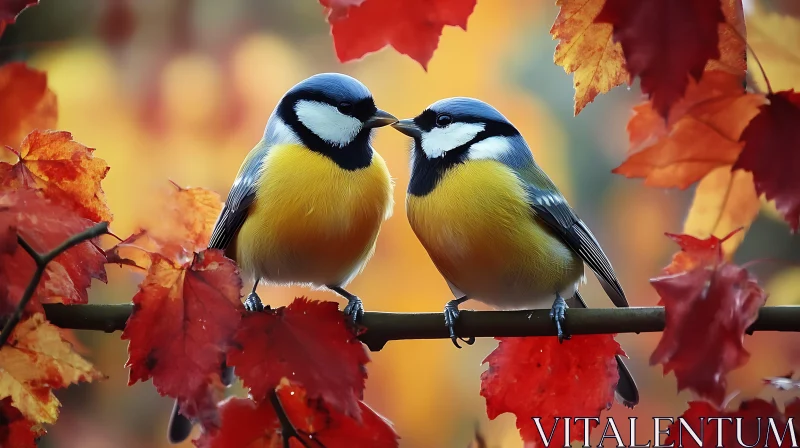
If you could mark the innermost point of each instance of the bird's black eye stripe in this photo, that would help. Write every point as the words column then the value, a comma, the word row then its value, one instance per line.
column 443, row 120
column 345, row 107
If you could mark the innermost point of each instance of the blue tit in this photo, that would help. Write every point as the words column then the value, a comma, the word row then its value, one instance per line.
column 308, row 202
column 493, row 223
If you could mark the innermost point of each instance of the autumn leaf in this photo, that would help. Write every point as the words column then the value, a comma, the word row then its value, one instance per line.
column 244, row 423
column 334, row 429
column 665, row 42
column 701, row 133
column 133, row 251
column 9, row 10
column 771, row 143
column 184, row 223
column 587, row 49
column 412, row 27
column 751, row 425
column 26, row 103
column 63, row 170
column 774, row 37
column 792, row 409
column 16, row 431
column 183, row 319
column 35, row 360
column 247, row 423
column 538, row 377
column 694, row 299
column 308, row 342
column 696, row 251
column 723, row 202
column 732, row 48
column 44, row 225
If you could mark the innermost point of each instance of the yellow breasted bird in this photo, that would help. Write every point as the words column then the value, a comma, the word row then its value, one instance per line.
column 494, row 224
column 309, row 200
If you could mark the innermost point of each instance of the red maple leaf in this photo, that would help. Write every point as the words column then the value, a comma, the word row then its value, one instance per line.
column 412, row 27
column 716, row 298
column 792, row 409
column 696, row 251
column 182, row 321
column 10, row 9
column 538, row 377
column 753, row 432
column 770, row 153
column 15, row 430
column 25, row 101
column 44, row 225
column 665, row 41
column 308, row 342
column 63, row 170
column 255, row 425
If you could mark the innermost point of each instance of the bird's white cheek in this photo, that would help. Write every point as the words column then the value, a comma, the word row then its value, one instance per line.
column 327, row 122
column 438, row 141
column 492, row 148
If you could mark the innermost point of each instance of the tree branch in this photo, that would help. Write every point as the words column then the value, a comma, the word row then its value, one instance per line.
column 384, row 327
column 41, row 261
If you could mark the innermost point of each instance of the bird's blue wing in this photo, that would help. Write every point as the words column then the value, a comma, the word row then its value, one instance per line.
column 239, row 199
column 550, row 206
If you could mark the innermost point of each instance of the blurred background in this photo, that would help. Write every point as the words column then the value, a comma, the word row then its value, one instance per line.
column 181, row 90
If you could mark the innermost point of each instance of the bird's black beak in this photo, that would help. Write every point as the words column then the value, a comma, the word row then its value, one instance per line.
column 408, row 127
column 380, row 118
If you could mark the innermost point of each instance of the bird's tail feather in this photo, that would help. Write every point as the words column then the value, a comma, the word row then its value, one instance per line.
column 180, row 427
column 626, row 393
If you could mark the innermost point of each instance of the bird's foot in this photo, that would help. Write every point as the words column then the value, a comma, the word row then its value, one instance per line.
column 559, row 315
column 253, row 303
column 354, row 309
column 450, row 318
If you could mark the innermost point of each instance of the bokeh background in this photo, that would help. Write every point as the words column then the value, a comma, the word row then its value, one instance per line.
column 181, row 90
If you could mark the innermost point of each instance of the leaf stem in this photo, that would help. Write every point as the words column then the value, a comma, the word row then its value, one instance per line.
column 287, row 428
column 755, row 56
column 42, row 261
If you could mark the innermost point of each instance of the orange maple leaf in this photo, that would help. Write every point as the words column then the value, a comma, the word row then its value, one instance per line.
column 63, row 170
column 587, row 49
column 36, row 360
column 701, row 133
column 184, row 223
column 26, row 103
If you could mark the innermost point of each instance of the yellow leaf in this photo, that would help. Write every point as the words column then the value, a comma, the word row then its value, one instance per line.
column 587, row 48
column 776, row 40
column 36, row 360
column 723, row 202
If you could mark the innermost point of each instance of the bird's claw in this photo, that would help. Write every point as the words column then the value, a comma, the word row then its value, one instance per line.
column 558, row 313
column 450, row 316
column 354, row 309
column 253, row 303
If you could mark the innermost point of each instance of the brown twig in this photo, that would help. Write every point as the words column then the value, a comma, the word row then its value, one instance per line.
column 41, row 261
column 383, row 327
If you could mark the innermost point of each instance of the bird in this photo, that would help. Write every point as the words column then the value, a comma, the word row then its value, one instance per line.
column 309, row 199
column 494, row 224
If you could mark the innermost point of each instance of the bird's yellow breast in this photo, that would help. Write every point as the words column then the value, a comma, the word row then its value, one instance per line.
column 479, row 230
column 312, row 221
